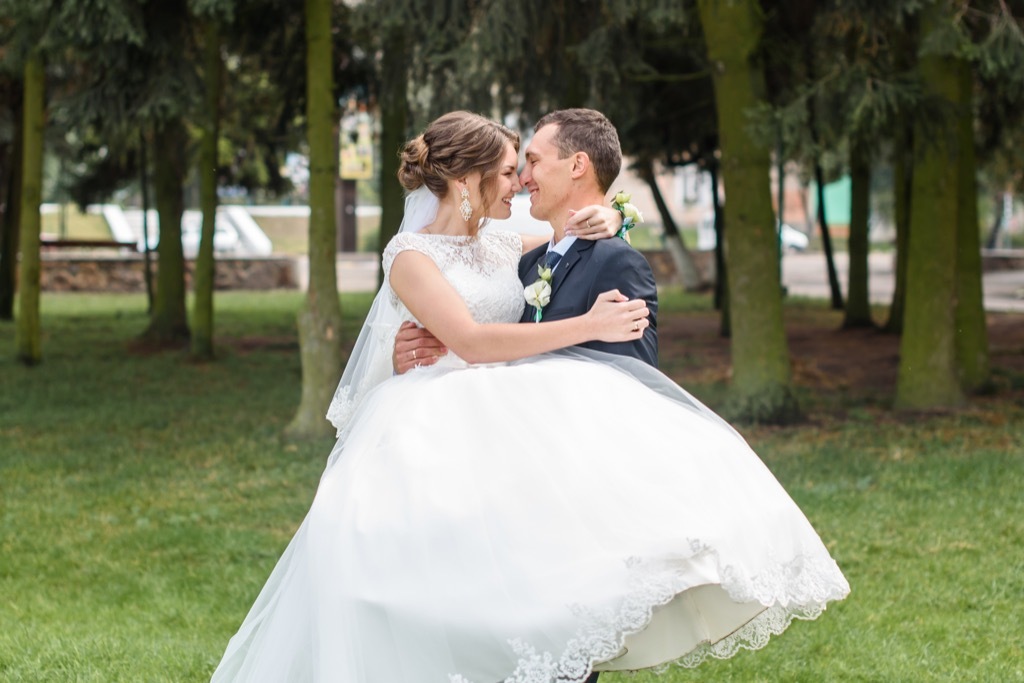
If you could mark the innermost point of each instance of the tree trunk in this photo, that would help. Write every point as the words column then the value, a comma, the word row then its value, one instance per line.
column 805, row 189
column 12, row 216
column 780, row 200
column 903, row 176
column 721, row 271
column 681, row 256
column 394, row 108
column 202, row 310
column 147, row 253
column 819, row 180
column 826, row 241
column 760, row 357
column 904, row 48
column 999, row 210
column 28, row 335
column 319, row 320
column 971, row 331
column 928, row 373
column 168, row 324
column 858, row 304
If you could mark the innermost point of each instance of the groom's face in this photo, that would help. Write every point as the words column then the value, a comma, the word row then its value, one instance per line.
column 545, row 176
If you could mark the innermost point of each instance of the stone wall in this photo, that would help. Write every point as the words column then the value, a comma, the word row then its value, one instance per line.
column 994, row 260
column 90, row 272
column 665, row 268
column 125, row 273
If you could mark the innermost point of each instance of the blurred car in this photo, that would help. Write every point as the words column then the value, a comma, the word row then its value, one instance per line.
column 793, row 239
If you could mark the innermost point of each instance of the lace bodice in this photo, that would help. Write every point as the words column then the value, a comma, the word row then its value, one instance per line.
column 482, row 269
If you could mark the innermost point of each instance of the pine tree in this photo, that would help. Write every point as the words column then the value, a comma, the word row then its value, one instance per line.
column 202, row 314
column 28, row 336
column 168, row 323
column 959, row 47
column 394, row 108
column 858, row 305
column 928, row 375
column 647, row 68
column 319, row 320
column 761, row 368
column 10, row 194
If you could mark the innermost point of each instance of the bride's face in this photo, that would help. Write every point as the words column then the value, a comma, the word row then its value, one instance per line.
column 504, row 186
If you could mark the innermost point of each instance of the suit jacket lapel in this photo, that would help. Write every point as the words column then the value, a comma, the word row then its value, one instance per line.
column 528, row 275
column 528, row 266
column 565, row 266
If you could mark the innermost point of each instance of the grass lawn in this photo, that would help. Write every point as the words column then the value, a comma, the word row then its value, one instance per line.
column 289, row 234
column 145, row 499
column 77, row 225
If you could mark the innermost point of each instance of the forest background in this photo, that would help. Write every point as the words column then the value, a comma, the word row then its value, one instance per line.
column 156, row 450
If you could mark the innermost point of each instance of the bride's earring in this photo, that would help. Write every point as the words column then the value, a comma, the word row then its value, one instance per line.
column 464, row 208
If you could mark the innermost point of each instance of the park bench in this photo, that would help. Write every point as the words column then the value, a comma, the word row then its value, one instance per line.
column 54, row 243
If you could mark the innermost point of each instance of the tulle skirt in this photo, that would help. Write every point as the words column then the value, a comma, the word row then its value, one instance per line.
column 532, row 522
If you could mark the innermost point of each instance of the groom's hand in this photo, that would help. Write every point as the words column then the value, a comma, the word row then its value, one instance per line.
column 415, row 347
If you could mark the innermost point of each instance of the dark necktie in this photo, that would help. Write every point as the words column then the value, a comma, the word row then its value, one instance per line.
column 552, row 259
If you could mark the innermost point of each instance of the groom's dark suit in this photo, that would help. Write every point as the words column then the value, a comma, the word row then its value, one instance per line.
column 588, row 269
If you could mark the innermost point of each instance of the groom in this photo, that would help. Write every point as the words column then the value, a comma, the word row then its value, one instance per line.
column 571, row 162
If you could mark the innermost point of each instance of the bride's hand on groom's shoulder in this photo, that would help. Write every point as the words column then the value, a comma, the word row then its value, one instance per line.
column 617, row 318
column 593, row 222
column 415, row 347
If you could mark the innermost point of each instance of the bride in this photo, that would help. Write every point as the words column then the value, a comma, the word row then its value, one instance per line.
column 516, row 513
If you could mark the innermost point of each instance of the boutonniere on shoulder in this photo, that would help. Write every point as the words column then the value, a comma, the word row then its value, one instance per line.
column 631, row 216
column 539, row 293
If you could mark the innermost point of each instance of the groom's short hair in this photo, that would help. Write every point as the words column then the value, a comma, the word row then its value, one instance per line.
column 588, row 131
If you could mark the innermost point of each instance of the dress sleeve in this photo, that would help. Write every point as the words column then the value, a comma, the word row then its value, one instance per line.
column 403, row 242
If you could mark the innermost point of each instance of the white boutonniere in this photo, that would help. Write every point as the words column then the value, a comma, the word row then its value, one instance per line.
column 631, row 215
column 538, row 294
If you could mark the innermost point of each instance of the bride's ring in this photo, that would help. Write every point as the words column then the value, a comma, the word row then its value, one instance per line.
column 414, row 354
column 588, row 223
column 636, row 325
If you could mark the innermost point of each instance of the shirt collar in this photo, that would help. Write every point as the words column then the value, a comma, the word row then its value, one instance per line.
column 563, row 246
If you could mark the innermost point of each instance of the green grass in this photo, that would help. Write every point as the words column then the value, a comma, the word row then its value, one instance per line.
column 77, row 225
column 145, row 499
column 289, row 234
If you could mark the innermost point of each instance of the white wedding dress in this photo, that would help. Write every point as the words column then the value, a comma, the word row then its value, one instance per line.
column 528, row 522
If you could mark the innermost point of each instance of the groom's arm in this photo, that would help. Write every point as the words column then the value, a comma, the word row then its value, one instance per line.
column 627, row 270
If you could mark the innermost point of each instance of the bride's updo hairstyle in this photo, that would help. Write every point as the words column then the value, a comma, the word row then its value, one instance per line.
column 453, row 146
